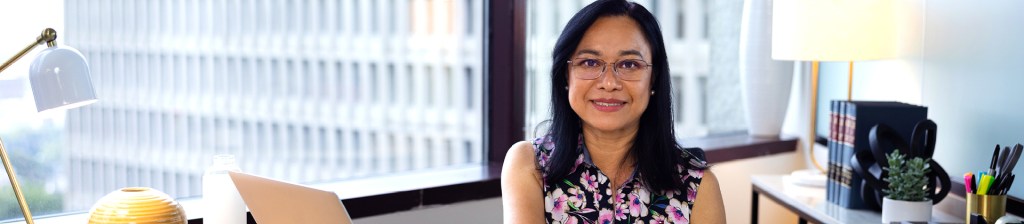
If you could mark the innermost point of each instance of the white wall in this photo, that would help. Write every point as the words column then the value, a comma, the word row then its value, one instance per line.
column 972, row 76
column 734, row 178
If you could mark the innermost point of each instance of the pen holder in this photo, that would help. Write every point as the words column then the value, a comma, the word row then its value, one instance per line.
column 992, row 207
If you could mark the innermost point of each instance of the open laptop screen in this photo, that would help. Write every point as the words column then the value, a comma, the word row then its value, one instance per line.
column 271, row 201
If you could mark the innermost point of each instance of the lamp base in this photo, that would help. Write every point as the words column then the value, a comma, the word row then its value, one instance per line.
column 808, row 178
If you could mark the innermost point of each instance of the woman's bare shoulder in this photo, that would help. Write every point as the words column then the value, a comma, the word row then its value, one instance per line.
column 521, row 187
column 520, row 156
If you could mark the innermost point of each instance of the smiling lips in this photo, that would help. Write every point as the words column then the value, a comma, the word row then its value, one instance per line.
column 608, row 105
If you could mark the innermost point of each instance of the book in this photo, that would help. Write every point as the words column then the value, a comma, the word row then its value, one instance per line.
column 833, row 155
column 844, row 132
column 860, row 117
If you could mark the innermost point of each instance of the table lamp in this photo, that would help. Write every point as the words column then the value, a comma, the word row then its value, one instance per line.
column 60, row 80
column 831, row 30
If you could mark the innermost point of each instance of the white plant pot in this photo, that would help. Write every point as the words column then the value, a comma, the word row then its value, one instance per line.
column 898, row 211
column 766, row 82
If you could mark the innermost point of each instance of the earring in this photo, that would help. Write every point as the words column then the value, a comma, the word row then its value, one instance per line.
column 652, row 92
column 566, row 87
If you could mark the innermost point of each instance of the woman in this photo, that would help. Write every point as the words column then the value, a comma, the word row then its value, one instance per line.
column 610, row 155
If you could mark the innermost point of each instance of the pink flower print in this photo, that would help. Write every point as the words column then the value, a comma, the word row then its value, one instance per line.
column 576, row 197
column 543, row 162
column 636, row 185
column 638, row 203
column 616, row 198
column 597, row 199
column 572, row 220
column 698, row 163
column 589, row 181
column 611, row 197
column 606, row 217
column 657, row 219
column 643, row 194
column 691, row 193
column 677, row 212
column 579, row 160
column 557, row 203
column 601, row 179
column 671, row 194
column 621, row 211
column 695, row 173
column 682, row 170
column 548, row 143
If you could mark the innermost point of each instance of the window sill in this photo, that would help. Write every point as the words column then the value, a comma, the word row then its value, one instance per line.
column 409, row 191
column 729, row 147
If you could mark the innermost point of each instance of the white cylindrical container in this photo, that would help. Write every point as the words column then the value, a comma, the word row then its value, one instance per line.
column 912, row 211
column 223, row 203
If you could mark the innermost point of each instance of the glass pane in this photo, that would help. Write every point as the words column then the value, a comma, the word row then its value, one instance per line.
column 33, row 141
column 702, row 56
column 299, row 90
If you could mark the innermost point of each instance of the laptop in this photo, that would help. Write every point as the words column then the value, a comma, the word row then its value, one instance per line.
column 272, row 202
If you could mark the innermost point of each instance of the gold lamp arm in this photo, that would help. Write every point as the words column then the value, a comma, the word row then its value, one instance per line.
column 49, row 36
column 14, row 184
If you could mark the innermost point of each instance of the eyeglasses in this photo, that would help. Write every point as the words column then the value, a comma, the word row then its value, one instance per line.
column 625, row 69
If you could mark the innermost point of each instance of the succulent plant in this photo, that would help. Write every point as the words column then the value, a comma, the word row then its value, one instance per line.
column 907, row 178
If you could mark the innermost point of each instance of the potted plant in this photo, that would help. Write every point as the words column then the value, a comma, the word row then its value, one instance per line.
column 906, row 196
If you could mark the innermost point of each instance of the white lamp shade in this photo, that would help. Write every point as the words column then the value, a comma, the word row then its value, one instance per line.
column 60, row 79
column 833, row 30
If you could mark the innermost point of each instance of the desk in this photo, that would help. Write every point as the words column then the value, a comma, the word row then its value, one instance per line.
column 809, row 203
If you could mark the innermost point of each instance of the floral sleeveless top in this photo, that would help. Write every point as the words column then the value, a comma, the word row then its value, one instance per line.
column 585, row 195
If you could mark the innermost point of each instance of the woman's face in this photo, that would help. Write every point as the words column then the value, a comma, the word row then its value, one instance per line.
column 609, row 103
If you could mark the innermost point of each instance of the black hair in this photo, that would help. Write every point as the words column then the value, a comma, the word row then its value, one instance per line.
column 655, row 148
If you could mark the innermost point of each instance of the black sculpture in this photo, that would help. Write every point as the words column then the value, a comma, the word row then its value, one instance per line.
column 883, row 139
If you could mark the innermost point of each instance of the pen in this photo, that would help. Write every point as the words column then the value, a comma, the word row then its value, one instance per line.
column 996, row 185
column 995, row 157
column 1003, row 157
column 1009, row 181
column 1010, row 161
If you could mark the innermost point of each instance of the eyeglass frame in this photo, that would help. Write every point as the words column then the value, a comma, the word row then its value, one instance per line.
column 604, row 67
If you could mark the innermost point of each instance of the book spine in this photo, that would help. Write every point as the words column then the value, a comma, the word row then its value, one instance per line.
column 849, row 126
column 833, row 154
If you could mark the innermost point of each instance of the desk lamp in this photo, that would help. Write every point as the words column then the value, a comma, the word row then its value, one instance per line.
column 60, row 80
column 831, row 30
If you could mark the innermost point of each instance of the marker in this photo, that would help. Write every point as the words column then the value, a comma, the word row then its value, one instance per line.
column 986, row 182
column 969, row 182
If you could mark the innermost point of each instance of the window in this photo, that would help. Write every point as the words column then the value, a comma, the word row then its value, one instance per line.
column 304, row 91
column 702, row 56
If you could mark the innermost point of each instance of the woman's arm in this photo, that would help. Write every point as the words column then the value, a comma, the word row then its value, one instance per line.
column 521, row 195
column 708, row 207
